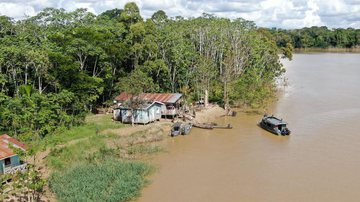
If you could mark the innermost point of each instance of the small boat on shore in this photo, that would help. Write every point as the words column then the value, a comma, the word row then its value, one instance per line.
column 211, row 126
column 228, row 126
column 204, row 125
column 186, row 127
column 179, row 128
column 274, row 125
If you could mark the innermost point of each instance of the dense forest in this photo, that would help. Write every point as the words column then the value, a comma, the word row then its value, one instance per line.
column 317, row 37
column 57, row 66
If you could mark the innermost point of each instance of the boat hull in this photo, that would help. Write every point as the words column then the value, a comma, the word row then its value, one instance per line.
column 180, row 129
column 263, row 126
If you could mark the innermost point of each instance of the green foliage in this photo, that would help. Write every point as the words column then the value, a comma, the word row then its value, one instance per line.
column 25, row 90
column 131, row 13
column 251, row 93
column 110, row 180
column 159, row 17
column 25, row 186
column 137, row 82
column 111, row 14
column 39, row 114
column 317, row 37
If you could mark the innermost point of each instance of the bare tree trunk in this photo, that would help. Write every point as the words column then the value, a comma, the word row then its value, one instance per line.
column 132, row 117
column 82, row 60
column 26, row 74
column 206, row 98
column 172, row 78
column 226, row 99
column 15, row 82
column 112, row 81
column 2, row 86
column 40, row 84
column 95, row 67
column 136, row 61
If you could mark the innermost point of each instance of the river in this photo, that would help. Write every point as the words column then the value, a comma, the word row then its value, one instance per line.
column 319, row 161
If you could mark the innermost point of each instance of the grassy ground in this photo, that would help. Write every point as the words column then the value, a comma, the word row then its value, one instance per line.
column 94, row 125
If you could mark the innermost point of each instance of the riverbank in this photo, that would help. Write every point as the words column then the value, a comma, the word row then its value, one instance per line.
column 327, row 50
column 102, row 138
column 209, row 114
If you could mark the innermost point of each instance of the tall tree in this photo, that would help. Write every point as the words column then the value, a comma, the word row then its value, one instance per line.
column 135, row 84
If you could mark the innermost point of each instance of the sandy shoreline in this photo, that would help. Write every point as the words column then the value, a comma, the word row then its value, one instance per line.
column 209, row 114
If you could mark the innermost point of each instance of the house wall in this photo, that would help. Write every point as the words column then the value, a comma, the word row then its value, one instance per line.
column 15, row 161
column 141, row 116
column 170, row 111
column 2, row 166
column 152, row 111
column 163, row 110
column 156, row 111
column 125, row 116
column 117, row 115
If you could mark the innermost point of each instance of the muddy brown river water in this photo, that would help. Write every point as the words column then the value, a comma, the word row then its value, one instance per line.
column 318, row 162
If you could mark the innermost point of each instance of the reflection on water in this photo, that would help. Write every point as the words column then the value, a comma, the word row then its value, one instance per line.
column 319, row 161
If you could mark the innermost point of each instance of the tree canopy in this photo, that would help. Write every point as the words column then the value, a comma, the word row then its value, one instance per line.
column 317, row 37
column 56, row 66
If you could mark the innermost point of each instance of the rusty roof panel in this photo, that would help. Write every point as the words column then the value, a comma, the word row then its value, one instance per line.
column 175, row 97
column 5, row 150
column 122, row 97
column 169, row 98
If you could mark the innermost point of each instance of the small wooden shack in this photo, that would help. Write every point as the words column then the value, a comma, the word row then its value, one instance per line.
column 9, row 160
column 171, row 101
column 145, row 114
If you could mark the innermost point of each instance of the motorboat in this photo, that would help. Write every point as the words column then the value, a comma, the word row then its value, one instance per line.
column 179, row 128
column 274, row 125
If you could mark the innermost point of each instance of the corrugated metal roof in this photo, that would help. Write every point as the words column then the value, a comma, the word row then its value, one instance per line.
column 144, row 106
column 175, row 97
column 169, row 98
column 5, row 150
